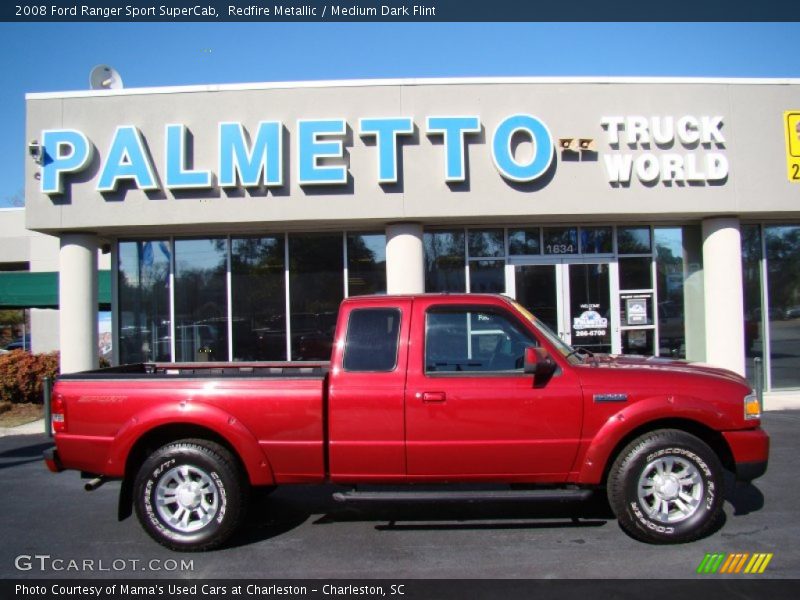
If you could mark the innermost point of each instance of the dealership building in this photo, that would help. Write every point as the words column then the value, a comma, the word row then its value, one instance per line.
column 645, row 216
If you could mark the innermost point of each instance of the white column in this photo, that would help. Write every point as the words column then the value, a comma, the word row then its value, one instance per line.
column 405, row 256
column 77, row 291
column 722, row 273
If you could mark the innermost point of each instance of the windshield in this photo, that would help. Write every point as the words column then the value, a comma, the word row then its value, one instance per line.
column 564, row 349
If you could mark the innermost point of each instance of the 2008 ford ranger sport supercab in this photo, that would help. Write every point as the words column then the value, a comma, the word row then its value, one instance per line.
column 468, row 389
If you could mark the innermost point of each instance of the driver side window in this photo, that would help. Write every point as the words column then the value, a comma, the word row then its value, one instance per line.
column 469, row 340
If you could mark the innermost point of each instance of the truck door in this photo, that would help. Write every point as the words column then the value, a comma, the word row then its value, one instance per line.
column 471, row 412
column 366, row 426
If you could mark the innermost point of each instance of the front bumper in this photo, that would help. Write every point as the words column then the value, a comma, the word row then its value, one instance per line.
column 750, row 470
column 750, row 449
column 52, row 460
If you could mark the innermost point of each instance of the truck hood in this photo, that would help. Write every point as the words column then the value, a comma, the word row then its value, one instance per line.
column 660, row 364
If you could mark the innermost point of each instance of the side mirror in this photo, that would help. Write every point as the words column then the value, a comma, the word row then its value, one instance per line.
column 539, row 364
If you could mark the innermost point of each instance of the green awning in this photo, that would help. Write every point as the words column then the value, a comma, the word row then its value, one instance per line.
column 26, row 289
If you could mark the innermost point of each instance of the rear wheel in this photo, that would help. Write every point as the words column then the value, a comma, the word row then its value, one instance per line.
column 189, row 495
column 666, row 487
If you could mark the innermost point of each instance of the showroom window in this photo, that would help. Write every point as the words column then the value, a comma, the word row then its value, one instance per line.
column 487, row 260
column 650, row 282
column 461, row 260
column 258, row 296
column 597, row 240
column 771, row 311
column 444, row 261
column 634, row 240
column 201, row 300
column 241, row 298
column 366, row 264
column 143, row 283
column 560, row 240
column 670, row 276
column 782, row 244
column 751, row 282
column 636, row 292
column 316, row 288
column 523, row 242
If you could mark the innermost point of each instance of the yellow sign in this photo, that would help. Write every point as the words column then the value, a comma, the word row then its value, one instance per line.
column 791, row 120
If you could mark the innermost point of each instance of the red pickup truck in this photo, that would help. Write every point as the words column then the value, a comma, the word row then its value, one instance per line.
column 423, row 389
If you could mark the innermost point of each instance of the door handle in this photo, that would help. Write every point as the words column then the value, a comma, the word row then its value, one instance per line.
column 431, row 397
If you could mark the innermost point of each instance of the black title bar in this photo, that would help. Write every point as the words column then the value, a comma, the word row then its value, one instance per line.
column 418, row 11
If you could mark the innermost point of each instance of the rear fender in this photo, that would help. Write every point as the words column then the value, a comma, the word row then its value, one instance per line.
column 240, row 439
column 592, row 464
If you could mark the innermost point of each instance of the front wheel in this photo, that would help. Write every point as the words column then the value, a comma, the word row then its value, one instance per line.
column 666, row 487
column 189, row 495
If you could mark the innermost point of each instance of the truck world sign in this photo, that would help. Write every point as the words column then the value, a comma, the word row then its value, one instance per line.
column 253, row 159
column 694, row 136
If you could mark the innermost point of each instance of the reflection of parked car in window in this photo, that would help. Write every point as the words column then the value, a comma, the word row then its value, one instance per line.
column 312, row 335
column 197, row 341
column 263, row 336
column 20, row 344
column 753, row 325
column 147, row 342
column 671, row 332
column 273, row 328
column 793, row 312
column 752, row 330
column 773, row 314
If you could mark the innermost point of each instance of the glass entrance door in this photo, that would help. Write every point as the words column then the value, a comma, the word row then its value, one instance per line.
column 537, row 289
column 574, row 299
column 589, row 306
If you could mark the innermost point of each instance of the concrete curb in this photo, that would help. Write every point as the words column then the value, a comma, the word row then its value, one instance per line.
column 27, row 429
column 784, row 400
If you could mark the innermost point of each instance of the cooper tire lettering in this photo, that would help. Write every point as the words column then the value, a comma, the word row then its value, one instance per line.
column 663, row 487
column 190, row 495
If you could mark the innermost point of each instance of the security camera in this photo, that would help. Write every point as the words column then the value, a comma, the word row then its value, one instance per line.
column 36, row 152
column 567, row 143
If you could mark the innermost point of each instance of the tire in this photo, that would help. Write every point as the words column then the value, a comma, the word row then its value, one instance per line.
column 190, row 495
column 666, row 487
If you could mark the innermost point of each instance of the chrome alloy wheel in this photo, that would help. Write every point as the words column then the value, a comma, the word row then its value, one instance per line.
column 670, row 489
column 186, row 498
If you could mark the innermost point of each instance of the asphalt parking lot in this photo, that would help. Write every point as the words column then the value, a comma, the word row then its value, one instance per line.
column 299, row 532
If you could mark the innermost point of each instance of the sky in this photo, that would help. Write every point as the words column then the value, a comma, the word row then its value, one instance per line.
column 58, row 57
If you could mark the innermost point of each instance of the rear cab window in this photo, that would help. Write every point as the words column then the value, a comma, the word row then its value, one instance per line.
column 372, row 340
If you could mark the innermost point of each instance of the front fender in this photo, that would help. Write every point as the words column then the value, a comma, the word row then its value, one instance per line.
column 591, row 465
column 243, row 442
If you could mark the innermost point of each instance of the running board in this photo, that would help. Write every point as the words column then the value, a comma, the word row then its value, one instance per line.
column 557, row 495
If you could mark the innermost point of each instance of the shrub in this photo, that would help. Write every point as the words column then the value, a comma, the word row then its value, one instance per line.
column 21, row 375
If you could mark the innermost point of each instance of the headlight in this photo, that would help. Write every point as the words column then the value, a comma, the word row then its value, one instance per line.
column 752, row 407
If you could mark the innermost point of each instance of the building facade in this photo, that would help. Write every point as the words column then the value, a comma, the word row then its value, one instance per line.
column 647, row 216
column 29, row 264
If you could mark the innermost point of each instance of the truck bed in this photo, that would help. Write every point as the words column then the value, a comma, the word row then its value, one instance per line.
column 275, row 409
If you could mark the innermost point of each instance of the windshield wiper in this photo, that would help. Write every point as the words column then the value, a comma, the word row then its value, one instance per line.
column 581, row 350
